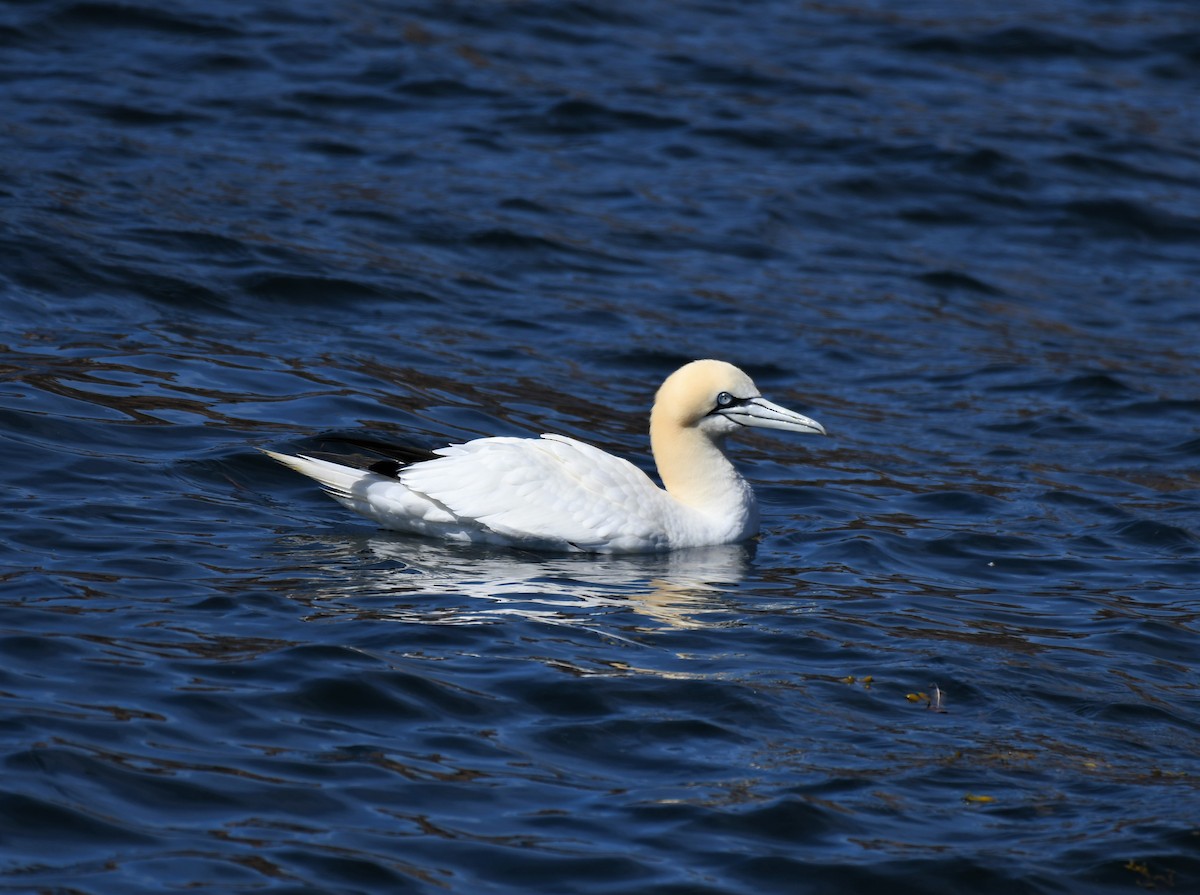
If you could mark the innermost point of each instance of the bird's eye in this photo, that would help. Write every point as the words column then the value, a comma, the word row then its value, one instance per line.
column 724, row 399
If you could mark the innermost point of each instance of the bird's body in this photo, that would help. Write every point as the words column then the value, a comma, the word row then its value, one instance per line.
column 556, row 493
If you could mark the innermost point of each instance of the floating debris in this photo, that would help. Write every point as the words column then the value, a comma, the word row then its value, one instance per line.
column 1148, row 879
column 935, row 703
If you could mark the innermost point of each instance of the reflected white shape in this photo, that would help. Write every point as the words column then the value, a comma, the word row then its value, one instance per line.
column 399, row 576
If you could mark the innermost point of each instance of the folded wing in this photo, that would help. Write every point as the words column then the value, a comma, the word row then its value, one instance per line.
column 552, row 489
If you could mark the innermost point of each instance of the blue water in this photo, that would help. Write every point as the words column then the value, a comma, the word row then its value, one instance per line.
column 962, row 656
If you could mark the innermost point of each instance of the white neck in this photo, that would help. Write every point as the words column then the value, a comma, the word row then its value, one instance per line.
column 697, row 473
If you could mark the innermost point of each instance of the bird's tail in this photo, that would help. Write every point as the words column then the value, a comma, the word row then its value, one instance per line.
column 338, row 481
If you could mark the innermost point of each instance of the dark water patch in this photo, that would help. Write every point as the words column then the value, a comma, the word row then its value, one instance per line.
column 151, row 790
column 752, row 77
column 570, row 37
column 1092, row 505
column 584, row 117
column 505, row 240
column 954, row 280
column 709, row 71
column 223, row 63
column 1108, row 167
column 518, row 249
column 318, row 291
column 504, row 18
column 162, row 287
column 120, row 114
column 352, row 873
column 192, row 242
column 1090, row 386
column 333, row 149
column 341, row 101
column 1159, row 536
column 39, row 826
column 580, row 13
column 1183, row 50
column 602, row 872
column 567, row 699
column 644, row 746
column 1137, row 713
column 46, row 268
column 124, row 16
column 685, row 243
column 999, row 554
column 950, row 214
column 988, row 162
column 955, row 195
column 1187, row 448
column 354, row 698
column 1181, row 409
column 758, row 137
column 1125, row 219
column 518, row 203
column 33, row 650
column 785, row 819
column 952, row 502
column 1148, row 869
column 1015, row 42
column 446, row 89
column 1095, row 386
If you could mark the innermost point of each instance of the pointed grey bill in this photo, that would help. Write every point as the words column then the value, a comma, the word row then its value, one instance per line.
column 763, row 414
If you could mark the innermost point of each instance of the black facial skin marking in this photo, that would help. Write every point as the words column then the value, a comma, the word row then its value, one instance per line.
column 726, row 401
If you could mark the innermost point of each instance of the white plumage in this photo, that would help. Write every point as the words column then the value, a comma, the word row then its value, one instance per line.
column 556, row 493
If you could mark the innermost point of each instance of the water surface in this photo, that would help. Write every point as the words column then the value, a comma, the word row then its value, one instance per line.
column 961, row 657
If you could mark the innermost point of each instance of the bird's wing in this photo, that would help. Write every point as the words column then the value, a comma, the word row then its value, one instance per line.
column 549, row 488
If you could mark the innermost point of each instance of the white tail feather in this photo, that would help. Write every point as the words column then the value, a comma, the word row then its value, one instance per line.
column 337, row 480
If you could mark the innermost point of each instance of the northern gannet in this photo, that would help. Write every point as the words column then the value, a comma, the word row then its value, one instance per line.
column 556, row 493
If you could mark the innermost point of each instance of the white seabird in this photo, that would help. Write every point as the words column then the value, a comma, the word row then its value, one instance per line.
column 556, row 493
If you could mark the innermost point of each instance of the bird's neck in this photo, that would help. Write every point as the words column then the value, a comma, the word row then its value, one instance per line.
column 695, row 471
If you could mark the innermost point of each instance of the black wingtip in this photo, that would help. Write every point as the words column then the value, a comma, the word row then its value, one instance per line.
column 401, row 453
column 389, row 468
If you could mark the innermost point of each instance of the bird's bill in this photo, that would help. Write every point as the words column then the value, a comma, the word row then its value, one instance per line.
column 763, row 414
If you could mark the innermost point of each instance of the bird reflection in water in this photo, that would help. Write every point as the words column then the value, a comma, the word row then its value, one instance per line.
column 413, row 580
